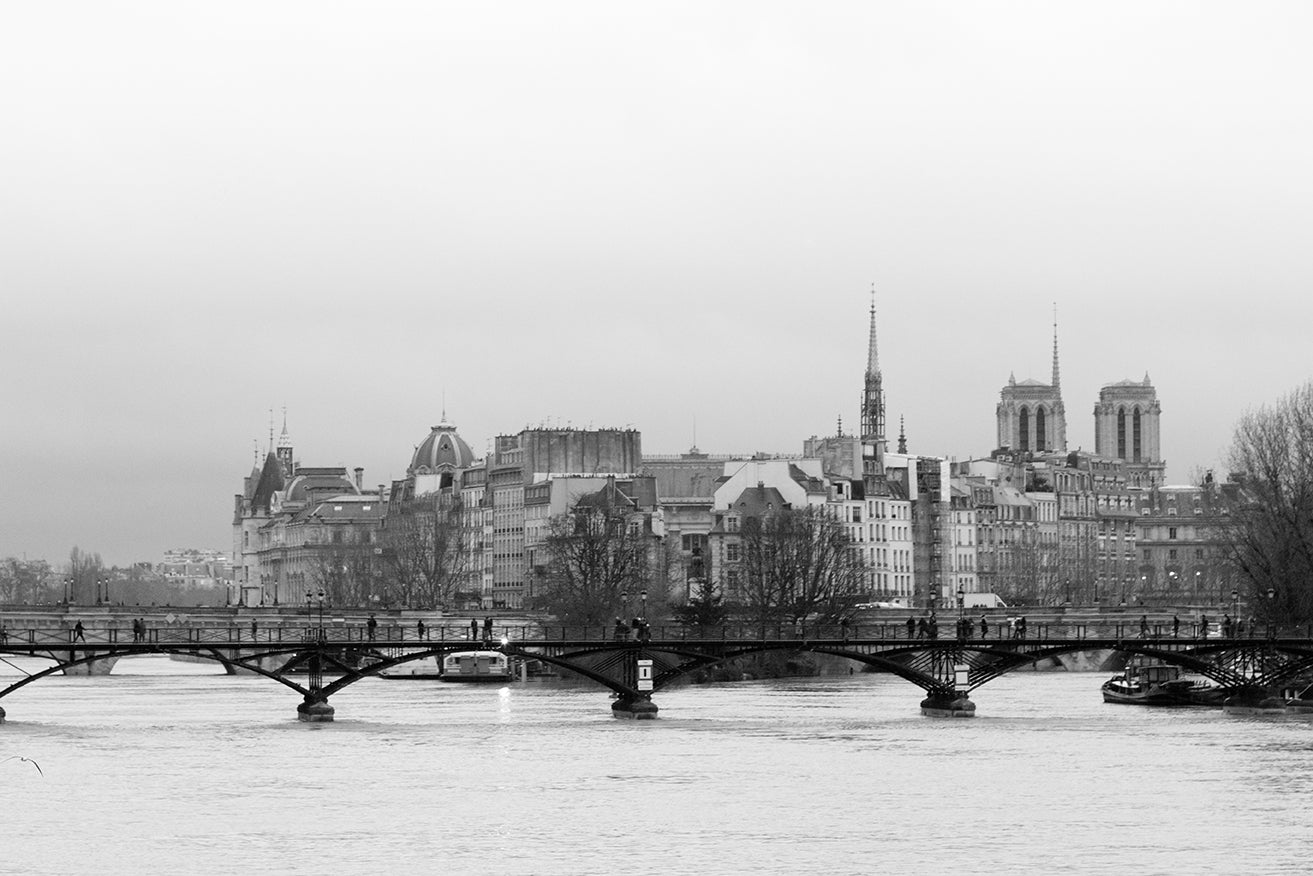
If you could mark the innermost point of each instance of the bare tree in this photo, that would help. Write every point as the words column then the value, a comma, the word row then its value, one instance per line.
column 799, row 564
column 1031, row 571
column 346, row 575
column 599, row 555
column 25, row 581
column 84, row 573
column 425, row 553
column 1268, row 534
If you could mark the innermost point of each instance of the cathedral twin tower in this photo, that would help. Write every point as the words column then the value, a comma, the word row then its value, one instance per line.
column 1032, row 419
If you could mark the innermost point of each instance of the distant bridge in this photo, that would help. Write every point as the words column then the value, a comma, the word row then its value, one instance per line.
column 318, row 662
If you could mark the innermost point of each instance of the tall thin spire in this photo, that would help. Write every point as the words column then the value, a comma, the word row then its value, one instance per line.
column 902, row 435
column 271, row 430
column 285, row 439
column 872, row 420
column 873, row 348
column 1056, row 383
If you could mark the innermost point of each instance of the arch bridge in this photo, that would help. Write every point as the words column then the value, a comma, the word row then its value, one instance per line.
column 324, row 662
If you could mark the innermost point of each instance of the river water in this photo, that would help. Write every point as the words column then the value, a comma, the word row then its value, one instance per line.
column 169, row 767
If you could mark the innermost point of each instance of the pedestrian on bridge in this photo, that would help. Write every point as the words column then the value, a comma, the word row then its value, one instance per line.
column 419, row 628
column 1176, row 626
column 487, row 631
column 922, row 627
column 933, row 627
column 1226, row 626
column 984, row 626
column 255, row 629
column 372, row 626
column 1203, row 626
column 911, row 626
column 79, row 632
column 1144, row 626
column 474, row 629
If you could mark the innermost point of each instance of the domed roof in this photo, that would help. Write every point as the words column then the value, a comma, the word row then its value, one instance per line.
column 442, row 450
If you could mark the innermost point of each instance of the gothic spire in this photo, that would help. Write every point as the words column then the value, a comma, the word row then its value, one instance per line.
column 872, row 420
column 284, row 440
column 1056, row 382
column 902, row 435
column 873, row 349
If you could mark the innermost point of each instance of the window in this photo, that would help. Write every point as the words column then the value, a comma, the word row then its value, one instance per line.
column 857, row 514
column 733, row 552
column 732, row 523
column 1171, row 532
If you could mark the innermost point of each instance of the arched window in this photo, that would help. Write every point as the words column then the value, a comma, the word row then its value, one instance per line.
column 1135, row 425
column 1121, row 433
column 1024, row 442
column 1041, row 440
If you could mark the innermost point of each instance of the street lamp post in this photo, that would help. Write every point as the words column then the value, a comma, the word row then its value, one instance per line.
column 645, row 630
column 68, row 586
column 102, row 584
column 309, row 610
column 1235, row 607
column 1271, row 618
column 1196, row 585
column 961, row 600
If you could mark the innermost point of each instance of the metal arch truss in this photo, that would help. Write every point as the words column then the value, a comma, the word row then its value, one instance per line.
column 318, row 669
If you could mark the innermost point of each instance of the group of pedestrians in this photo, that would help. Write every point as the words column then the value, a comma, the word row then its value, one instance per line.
column 924, row 627
column 638, row 627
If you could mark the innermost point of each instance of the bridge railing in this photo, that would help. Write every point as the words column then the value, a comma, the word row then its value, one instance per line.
column 237, row 636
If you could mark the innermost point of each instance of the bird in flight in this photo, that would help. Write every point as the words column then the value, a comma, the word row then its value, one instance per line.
column 29, row 760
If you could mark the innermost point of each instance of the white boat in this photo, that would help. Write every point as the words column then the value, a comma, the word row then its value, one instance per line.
column 424, row 667
column 476, row 666
column 1152, row 683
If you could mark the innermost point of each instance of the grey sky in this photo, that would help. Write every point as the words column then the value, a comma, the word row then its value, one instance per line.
column 601, row 214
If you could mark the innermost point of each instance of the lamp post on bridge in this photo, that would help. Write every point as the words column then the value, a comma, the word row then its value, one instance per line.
column 315, row 707
column 1235, row 606
column 309, row 605
column 1271, row 617
column 68, row 586
column 643, row 629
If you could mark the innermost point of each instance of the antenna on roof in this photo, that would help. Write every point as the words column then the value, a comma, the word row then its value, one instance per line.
column 271, row 430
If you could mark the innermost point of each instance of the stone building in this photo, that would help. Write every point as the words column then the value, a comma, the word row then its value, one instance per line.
column 1031, row 416
column 299, row 529
column 1126, row 423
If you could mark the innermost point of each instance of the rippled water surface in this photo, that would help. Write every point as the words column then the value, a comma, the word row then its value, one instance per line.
column 167, row 767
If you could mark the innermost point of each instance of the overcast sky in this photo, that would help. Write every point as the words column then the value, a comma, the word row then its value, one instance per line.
column 668, row 216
